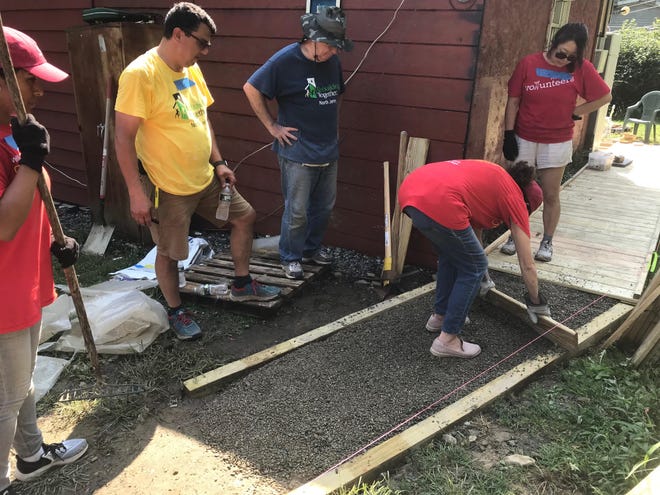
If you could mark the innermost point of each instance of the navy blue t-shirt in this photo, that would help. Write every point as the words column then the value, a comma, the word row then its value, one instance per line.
column 307, row 95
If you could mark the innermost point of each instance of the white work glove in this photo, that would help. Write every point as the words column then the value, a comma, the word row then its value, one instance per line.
column 485, row 285
column 534, row 310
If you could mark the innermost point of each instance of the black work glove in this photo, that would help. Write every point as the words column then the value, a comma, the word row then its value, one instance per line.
column 33, row 142
column 534, row 310
column 67, row 255
column 510, row 146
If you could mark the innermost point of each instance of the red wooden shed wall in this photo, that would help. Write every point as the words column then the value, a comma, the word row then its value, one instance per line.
column 418, row 77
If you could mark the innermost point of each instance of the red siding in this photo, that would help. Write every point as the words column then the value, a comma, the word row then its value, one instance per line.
column 418, row 77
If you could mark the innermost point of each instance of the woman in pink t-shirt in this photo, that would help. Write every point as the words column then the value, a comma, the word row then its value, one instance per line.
column 540, row 115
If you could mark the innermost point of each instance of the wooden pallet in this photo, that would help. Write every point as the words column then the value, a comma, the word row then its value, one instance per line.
column 267, row 270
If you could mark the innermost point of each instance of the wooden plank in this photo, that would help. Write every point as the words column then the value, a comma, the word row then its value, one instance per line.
column 642, row 306
column 366, row 466
column 415, row 157
column 567, row 280
column 560, row 334
column 396, row 215
column 211, row 380
column 570, row 268
column 589, row 334
column 648, row 347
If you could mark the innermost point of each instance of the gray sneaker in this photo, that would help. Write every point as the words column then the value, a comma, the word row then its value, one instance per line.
column 321, row 257
column 508, row 247
column 545, row 251
column 54, row 454
column 293, row 269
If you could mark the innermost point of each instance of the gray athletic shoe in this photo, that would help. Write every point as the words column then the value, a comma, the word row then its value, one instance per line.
column 545, row 251
column 293, row 269
column 508, row 247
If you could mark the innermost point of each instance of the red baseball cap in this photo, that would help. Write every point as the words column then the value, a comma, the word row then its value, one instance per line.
column 26, row 55
column 533, row 195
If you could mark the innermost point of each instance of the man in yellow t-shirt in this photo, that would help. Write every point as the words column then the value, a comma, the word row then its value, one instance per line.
column 161, row 122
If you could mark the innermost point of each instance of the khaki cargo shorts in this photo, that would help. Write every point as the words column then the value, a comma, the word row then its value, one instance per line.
column 175, row 212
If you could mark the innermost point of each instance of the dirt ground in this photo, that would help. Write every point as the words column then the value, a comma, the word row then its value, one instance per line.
column 288, row 421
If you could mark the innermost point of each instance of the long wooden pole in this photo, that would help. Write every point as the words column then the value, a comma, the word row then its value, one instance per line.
column 387, row 259
column 70, row 272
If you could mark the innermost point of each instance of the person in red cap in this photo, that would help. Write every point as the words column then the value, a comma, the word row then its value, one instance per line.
column 451, row 203
column 26, row 244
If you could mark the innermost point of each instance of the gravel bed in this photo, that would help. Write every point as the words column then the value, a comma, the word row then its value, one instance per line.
column 296, row 417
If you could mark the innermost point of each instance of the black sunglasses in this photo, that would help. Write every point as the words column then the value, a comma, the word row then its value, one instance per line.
column 563, row 56
column 203, row 44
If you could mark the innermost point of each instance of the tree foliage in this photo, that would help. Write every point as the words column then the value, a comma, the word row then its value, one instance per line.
column 638, row 68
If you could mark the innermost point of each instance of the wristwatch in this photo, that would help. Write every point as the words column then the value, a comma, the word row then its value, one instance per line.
column 217, row 163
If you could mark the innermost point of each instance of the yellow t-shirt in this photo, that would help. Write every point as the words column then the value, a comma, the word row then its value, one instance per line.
column 174, row 140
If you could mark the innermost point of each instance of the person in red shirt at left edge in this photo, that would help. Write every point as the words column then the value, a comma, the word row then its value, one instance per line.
column 26, row 272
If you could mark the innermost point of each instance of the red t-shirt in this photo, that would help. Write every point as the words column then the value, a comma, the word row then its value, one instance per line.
column 548, row 95
column 460, row 193
column 26, row 271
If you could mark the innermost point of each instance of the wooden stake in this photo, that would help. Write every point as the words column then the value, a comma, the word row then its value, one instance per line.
column 396, row 215
column 387, row 260
column 70, row 272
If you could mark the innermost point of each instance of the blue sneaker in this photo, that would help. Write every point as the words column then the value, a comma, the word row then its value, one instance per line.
column 184, row 326
column 254, row 291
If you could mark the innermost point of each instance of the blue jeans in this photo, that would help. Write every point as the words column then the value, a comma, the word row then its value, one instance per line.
column 461, row 265
column 309, row 196
column 18, row 411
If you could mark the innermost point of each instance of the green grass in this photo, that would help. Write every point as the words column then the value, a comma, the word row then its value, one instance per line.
column 595, row 423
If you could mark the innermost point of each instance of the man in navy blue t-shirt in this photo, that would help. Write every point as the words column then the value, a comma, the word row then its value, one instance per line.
column 306, row 80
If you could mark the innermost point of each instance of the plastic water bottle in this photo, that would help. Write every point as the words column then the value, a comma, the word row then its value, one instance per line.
column 182, row 275
column 222, row 213
column 212, row 289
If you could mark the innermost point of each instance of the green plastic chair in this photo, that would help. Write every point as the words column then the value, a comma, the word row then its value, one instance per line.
column 649, row 107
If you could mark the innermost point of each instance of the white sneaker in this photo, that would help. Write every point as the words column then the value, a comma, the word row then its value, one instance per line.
column 54, row 454
column 508, row 247
column 545, row 251
column 293, row 269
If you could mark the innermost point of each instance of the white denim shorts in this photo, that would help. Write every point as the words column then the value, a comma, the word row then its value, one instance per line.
column 544, row 155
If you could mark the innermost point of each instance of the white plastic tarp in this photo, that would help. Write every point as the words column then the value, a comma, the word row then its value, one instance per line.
column 122, row 322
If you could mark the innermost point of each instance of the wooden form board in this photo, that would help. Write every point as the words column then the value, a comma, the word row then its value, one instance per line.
column 609, row 227
column 555, row 331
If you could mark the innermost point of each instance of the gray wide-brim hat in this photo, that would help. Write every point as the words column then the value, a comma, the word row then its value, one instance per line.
column 327, row 26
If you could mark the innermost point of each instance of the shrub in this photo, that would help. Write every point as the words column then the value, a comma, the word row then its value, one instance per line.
column 638, row 68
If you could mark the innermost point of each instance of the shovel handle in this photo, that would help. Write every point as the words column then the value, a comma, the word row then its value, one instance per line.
column 58, row 234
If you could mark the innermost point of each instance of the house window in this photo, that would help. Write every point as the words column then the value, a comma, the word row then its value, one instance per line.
column 559, row 16
column 314, row 5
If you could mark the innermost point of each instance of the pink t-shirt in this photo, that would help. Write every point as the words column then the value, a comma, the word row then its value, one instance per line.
column 460, row 193
column 26, row 271
column 548, row 96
